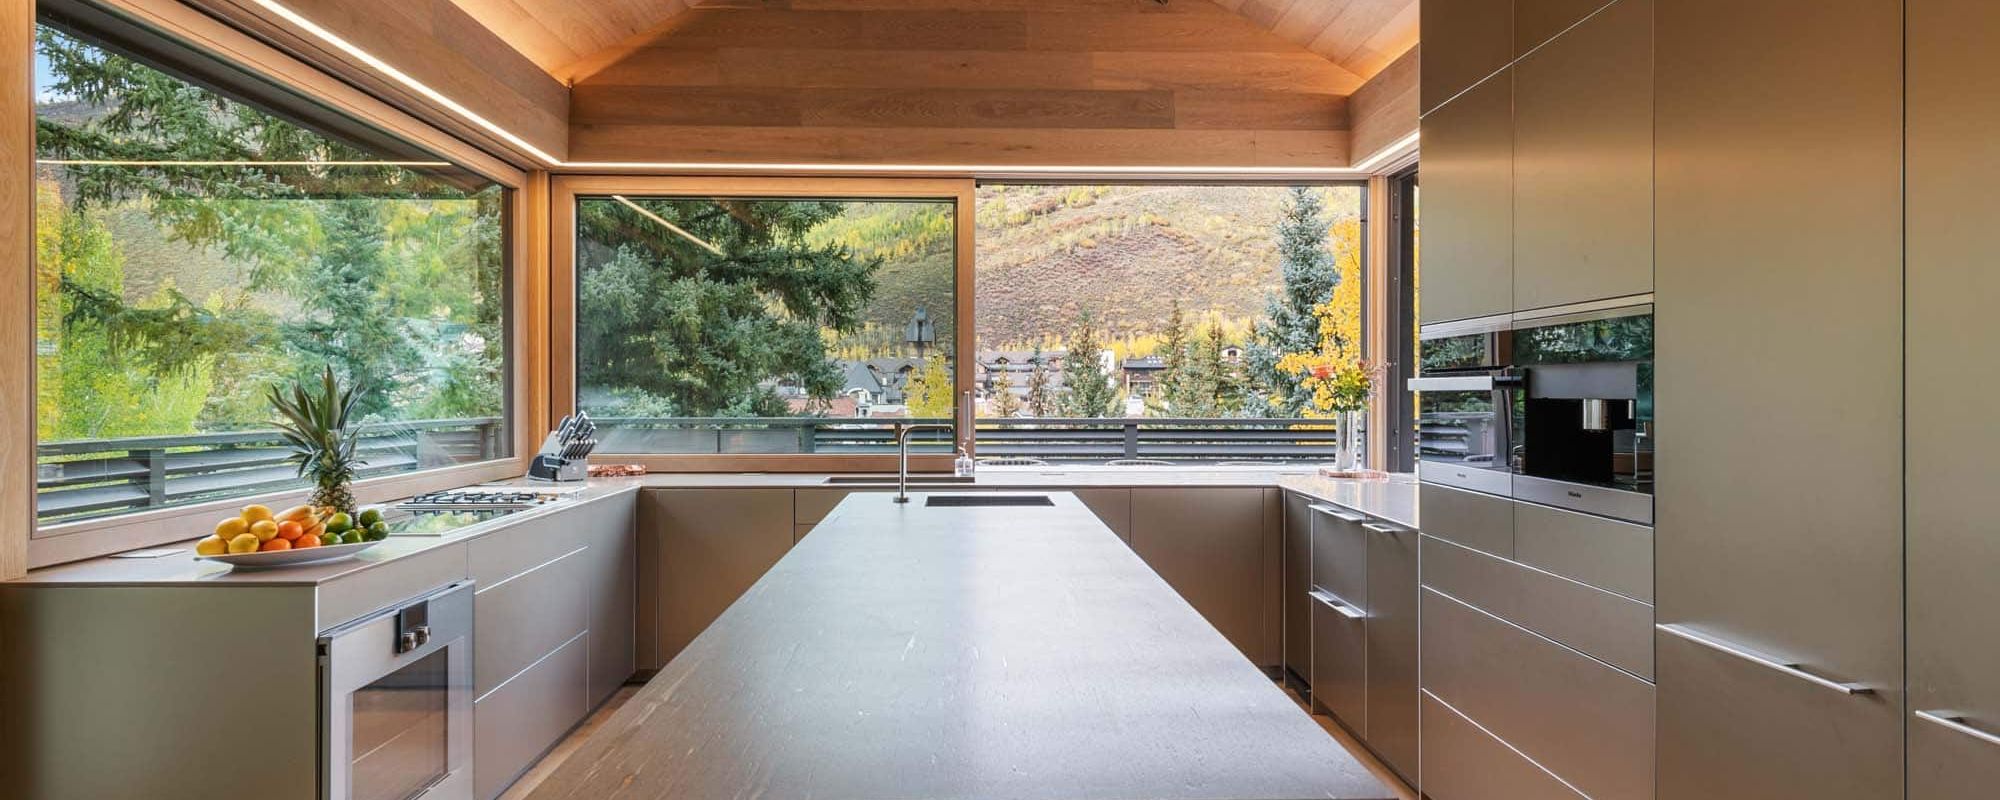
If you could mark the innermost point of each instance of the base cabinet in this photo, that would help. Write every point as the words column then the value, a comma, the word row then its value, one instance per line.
column 707, row 547
column 1392, row 647
column 1209, row 545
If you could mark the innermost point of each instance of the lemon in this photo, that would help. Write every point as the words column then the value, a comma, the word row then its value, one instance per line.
column 265, row 530
column 228, row 528
column 256, row 513
column 244, row 543
column 212, row 546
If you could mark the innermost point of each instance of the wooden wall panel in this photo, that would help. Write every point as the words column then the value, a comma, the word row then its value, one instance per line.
column 438, row 44
column 1385, row 109
column 1102, row 82
column 17, row 284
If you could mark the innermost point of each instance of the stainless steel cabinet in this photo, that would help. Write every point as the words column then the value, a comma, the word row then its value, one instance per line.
column 1209, row 545
column 1392, row 646
column 1779, row 288
column 1953, row 555
column 1464, row 41
column 1298, row 581
column 1340, row 660
column 1538, row 21
column 1583, row 162
column 612, row 561
column 1468, row 268
column 707, row 547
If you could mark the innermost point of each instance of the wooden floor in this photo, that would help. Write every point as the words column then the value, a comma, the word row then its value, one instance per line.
column 562, row 751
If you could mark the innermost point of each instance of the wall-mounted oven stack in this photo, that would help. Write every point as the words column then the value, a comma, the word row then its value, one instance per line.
column 1536, row 441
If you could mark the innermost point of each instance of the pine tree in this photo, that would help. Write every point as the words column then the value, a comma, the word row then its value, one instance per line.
column 1087, row 391
column 1290, row 325
column 1004, row 404
column 1210, row 388
column 1041, row 399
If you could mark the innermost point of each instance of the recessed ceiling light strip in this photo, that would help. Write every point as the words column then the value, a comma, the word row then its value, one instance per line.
column 669, row 226
column 104, row 162
column 525, row 146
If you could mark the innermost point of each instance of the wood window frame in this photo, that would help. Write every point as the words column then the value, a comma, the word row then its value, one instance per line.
column 563, row 194
column 27, row 544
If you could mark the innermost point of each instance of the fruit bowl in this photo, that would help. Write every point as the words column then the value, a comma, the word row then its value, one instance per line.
column 265, row 559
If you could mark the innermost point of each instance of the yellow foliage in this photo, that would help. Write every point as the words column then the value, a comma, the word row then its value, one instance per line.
column 1339, row 378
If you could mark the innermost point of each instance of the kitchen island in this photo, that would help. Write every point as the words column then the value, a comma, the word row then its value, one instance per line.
column 915, row 651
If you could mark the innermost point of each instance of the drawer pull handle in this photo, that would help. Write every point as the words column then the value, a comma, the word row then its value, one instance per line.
column 1767, row 662
column 1337, row 513
column 1382, row 528
column 1955, row 723
column 1326, row 598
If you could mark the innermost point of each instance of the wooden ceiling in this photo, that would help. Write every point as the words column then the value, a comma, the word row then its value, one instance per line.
column 571, row 39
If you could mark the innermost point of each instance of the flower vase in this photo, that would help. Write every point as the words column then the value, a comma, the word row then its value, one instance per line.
column 1350, row 442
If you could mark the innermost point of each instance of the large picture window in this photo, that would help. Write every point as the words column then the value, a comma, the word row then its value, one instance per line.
column 1167, row 324
column 197, row 245
column 765, row 325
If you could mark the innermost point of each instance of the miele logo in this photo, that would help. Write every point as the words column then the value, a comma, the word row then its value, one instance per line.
column 1576, row 494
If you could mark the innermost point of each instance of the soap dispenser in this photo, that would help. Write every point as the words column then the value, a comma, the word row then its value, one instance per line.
column 964, row 465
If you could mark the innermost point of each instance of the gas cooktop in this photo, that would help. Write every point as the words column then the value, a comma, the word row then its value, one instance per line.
column 481, row 498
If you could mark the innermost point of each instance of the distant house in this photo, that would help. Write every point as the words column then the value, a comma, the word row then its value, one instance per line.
column 1019, row 367
column 1142, row 374
column 877, row 382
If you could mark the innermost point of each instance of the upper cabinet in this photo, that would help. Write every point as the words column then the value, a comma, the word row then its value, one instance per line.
column 1464, row 41
column 1538, row 21
column 1468, row 197
column 1583, row 160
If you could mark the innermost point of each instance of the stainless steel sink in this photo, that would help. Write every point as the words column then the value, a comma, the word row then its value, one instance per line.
column 890, row 480
column 979, row 500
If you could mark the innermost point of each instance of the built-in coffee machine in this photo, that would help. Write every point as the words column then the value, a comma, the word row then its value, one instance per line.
column 1555, row 410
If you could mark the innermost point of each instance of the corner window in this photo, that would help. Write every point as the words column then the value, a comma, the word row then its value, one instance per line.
column 765, row 325
column 202, row 236
column 1167, row 324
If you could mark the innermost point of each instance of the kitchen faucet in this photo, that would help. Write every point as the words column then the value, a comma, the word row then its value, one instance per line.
column 903, row 456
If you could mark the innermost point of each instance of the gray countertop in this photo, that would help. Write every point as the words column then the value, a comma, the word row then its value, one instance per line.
column 910, row 652
column 1393, row 499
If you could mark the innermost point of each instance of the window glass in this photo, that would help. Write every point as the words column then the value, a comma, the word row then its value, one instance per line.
column 1162, row 323
column 195, row 249
column 711, row 325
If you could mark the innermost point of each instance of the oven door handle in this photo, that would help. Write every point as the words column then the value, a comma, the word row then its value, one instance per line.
column 1466, row 383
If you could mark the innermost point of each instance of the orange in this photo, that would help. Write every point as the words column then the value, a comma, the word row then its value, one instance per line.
column 289, row 530
column 275, row 544
column 304, row 542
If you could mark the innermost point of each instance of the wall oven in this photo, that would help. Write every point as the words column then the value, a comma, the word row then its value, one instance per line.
column 1557, row 410
column 396, row 702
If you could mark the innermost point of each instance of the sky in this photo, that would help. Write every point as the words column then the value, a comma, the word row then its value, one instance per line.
column 42, row 78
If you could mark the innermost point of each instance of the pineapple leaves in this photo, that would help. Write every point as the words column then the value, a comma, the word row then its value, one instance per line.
column 315, row 427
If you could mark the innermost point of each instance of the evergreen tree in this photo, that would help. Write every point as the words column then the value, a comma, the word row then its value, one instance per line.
column 1003, row 404
column 1211, row 388
column 1041, row 399
column 1169, row 393
column 1087, row 391
column 708, row 332
column 1290, row 325
column 350, row 327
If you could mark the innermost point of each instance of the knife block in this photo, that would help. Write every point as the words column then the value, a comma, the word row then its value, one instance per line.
column 549, row 465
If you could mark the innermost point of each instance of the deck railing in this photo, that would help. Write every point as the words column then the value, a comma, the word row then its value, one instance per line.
column 95, row 477
column 98, row 477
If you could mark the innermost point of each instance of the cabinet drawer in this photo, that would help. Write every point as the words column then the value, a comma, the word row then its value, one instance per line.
column 1612, row 628
column 1340, row 660
column 1606, row 553
column 516, row 724
column 1462, row 762
column 1587, row 722
column 505, row 553
column 1340, row 553
column 518, row 620
column 1481, row 522
column 1393, row 648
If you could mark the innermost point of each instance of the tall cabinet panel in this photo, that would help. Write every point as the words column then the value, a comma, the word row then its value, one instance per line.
column 1779, row 286
column 1464, row 41
column 1583, row 162
column 1953, row 554
column 1468, row 204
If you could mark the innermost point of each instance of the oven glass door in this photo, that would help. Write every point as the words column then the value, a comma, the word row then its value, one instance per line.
column 400, row 740
column 1464, row 421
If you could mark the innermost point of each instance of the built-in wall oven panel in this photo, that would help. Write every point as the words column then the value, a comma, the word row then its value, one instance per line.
column 1465, row 421
column 396, row 702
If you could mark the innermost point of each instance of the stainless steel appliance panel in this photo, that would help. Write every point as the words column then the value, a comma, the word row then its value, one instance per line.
column 1479, row 521
column 1392, row 646
column 1611, row 628
column 1780, row 317
column 1953, row 160
column 1587, row 722
column 396, row 702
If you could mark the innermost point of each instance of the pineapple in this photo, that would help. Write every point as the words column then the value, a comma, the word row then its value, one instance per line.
column 315, row 425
